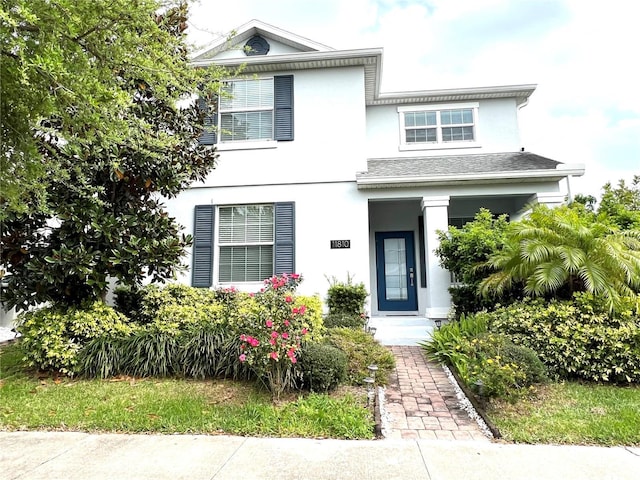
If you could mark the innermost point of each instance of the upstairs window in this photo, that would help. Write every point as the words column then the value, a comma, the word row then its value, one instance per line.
column 256, row 110
column 437, row 126
column 246, row 111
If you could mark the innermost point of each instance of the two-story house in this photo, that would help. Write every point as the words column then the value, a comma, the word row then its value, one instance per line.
column 322, row 174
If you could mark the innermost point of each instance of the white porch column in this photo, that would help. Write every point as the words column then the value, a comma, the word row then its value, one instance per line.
column 436, row 217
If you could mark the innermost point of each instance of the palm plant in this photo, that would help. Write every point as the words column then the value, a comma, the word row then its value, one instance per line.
column 562, row 250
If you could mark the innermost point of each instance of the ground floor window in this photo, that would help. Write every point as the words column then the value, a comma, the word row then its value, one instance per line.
column 246, row 243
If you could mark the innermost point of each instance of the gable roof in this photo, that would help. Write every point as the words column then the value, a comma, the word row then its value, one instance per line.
column 456, row 169
column 256, row 27
column 311, row 54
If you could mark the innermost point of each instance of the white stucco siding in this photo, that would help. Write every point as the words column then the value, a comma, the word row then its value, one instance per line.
column 323, row 212
column 329, row 136
column 275, row 48
column 496, row 131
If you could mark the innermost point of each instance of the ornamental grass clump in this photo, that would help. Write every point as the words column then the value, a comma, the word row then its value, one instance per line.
column 273, row 333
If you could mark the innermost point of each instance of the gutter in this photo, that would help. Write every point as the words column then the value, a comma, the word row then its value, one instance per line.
column 497, row 177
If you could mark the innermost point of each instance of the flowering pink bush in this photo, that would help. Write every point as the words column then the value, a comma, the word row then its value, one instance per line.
column 274, row 333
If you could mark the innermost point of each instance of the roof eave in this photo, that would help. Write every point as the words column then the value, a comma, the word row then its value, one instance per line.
column 521, row 92
column 466, row 178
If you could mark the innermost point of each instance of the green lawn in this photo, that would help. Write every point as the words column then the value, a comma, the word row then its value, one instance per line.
column 572, row 413
column 170, row 405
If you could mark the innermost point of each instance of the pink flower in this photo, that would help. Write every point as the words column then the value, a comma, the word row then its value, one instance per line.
column 302, row 309
column 288, row 299
column 242, row 358
column 305, row 331
column 274, row 355
column 272, row 342
column 293, row 359
column 269, row 323
column 243, row 337
column 274, row 334
column 285, row 335
column 252, row 294
column 286, row 323
column 295, row 276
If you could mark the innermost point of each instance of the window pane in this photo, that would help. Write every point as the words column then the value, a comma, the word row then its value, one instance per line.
column 422, row 135
column 457, row 134
column 456, row 117
column 247, row 126
column 246, row 263
column 248, row 94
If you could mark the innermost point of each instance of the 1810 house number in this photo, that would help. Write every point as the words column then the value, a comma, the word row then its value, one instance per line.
column 340, row 243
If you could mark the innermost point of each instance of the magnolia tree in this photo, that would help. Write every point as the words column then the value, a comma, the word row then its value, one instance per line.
column 110, row 144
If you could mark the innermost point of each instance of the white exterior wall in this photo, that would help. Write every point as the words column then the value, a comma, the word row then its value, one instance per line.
column 329, row 136
column 323, row 212
column 275, row 48
column 496, row 131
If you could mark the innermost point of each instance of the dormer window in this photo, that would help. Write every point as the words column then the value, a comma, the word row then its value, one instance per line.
column 438, row 126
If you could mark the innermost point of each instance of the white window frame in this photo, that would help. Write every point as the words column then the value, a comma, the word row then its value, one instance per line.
column 219, row 245
column 246, row 144
column 439, row 143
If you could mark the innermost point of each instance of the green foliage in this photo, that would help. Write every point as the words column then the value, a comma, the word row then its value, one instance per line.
column 67, row 67
column 109, row 159
column 578, row 338
column 465, row 251
column 362, row 350
column 334, row 320
column 621, row 205
column 346, row 297
column 487, row 362
column 555, row 252
column 323, row 367
column 53, row 336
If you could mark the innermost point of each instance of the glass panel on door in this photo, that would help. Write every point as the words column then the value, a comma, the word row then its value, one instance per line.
column 395, row 268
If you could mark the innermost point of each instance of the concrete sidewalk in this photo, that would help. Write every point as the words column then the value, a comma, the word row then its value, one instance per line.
column 68, row 456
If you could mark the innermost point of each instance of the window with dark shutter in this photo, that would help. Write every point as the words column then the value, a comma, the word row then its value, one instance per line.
column 283, row 107
column 284, row 244
column 209, row 135
column 202, row 270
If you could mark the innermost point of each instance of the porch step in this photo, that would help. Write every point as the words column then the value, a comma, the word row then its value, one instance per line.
column 405, row 331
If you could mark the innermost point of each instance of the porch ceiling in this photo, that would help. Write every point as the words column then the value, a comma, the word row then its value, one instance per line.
column 456, row 169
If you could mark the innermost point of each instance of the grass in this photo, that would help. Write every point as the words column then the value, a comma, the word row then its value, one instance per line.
column 125, row 404
column 572, row 413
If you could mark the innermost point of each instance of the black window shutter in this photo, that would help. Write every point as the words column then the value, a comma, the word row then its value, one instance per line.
column 283, row 108
column 202, row 269
column 285, row 240
column 209, row 135
column 423, row 252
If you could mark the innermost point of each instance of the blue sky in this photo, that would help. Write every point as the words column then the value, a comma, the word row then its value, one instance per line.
column 582, row 54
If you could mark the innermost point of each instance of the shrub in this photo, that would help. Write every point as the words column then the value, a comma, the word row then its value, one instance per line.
column 346, row 297
column 175, row 304
column 487, row 362
column 362, row 350
column 577, row 338
column 210, row 351
column 53, row 336
column 323, row 367
column 273, row 333
column 335, row 320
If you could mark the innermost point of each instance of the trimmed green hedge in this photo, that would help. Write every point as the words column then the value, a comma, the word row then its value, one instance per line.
column 578, row 338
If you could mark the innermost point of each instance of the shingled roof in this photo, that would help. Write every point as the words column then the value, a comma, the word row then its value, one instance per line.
column 407, row 171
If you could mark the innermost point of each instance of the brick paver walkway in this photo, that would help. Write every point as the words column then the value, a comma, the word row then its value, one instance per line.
column 421, row 401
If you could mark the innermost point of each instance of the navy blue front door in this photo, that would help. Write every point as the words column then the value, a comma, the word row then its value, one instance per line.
column 396, row 271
